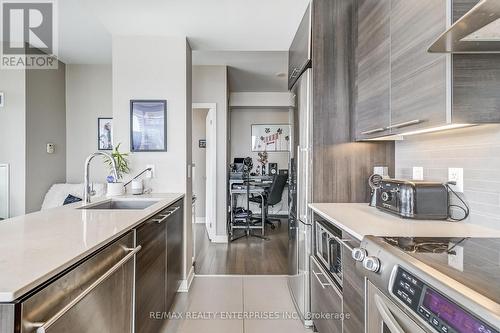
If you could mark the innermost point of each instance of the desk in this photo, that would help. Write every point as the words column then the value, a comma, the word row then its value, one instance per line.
column 258, row 190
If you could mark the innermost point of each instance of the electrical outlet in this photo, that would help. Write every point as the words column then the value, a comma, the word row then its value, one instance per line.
column 418, row 173
column 456, row 175
column 456, row 257
column 150, row 174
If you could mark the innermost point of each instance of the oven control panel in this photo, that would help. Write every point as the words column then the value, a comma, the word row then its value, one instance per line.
column 439, row 312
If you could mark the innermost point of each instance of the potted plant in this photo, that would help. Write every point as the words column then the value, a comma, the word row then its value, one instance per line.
column 263, row 160
column 116, row 186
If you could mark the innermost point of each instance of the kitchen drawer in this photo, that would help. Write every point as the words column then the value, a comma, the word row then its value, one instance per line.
column 326, row 298
column 353, row 288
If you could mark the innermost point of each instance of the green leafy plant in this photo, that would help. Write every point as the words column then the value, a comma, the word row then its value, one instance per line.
column 122, row 163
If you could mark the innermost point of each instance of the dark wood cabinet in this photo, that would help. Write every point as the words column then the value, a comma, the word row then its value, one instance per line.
column 418, row 78
column 299, row 54
column 353, row 289
column 175, row 226
column 373, row 112
column 151, row 270
column 158, row 271
column 340, row 167
column 326, row 299
column 401, row 87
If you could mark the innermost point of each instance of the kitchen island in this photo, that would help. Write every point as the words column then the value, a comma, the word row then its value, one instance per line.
column 81, row 246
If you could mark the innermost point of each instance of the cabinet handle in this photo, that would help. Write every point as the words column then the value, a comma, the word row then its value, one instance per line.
column 43, row 327
column 294, row 73
column 406, row 123
column 323, row 285
column 166, row 216
column 376, row 130
column 343, row 242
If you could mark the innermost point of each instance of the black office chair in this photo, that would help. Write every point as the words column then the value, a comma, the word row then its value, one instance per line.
column 271, row 198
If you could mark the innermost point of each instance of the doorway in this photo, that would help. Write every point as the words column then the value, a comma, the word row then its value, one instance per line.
column 204, row 152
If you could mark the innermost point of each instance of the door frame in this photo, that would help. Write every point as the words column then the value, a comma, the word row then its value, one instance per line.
column 211, row 186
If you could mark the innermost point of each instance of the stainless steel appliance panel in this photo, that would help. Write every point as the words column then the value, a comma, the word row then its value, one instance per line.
column 326, row 299
column 383, row 316
column 300, row 194
column 96, row 296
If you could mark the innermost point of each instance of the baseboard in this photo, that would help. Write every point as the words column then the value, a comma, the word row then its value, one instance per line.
column 220, row 239
column 186, row 284
column 200, row 220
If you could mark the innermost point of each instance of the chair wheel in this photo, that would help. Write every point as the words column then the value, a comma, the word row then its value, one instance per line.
column 273, row 226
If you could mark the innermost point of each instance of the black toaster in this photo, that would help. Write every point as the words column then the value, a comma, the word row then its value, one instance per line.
column 413, row 199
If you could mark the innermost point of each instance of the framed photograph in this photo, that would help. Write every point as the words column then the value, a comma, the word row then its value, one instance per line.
column 271, row 138
column 148, row 125
column 105, row 133
column 2, row 99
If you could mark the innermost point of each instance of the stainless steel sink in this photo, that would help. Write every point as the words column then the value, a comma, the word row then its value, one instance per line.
column 121, row 204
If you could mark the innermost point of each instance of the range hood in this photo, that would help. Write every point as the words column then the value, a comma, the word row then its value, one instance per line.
column 478, row 31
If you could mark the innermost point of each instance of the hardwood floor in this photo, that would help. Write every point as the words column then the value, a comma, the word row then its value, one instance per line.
column 246, row 256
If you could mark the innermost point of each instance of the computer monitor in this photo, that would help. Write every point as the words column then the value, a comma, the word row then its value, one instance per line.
column 238, row 164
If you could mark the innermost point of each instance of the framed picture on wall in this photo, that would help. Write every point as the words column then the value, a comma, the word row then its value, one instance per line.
column 148, row 125
column 105, row 133
column 271, row 137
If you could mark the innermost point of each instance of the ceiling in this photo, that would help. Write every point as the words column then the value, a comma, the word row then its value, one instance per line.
column 86, row 26
column 250, row 37
column 249, row 70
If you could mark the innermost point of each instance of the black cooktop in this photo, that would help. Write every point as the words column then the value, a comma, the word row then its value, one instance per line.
column 474, row 262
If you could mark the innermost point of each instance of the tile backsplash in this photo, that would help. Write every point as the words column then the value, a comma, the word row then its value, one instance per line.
column 475, row 149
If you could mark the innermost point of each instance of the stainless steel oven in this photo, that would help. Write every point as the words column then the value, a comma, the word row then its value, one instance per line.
column 328, row 249
column 383, row 316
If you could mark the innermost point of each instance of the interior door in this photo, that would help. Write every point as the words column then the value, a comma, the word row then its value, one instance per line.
column 211, row 174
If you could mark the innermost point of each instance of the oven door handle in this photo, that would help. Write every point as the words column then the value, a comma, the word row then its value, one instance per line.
column 387, row 316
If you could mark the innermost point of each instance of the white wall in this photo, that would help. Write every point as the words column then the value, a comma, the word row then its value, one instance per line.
column 13, row 135
column 210, row 86
column 475, row 149
column 147, row 67
column 241, row 137
column 88, row 97
column 45, row 123
column 199, row 160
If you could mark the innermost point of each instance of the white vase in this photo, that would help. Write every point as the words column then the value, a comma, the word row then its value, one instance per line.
column 115, row 189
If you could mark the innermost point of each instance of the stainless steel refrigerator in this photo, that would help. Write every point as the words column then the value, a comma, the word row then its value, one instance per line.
column 300, row 194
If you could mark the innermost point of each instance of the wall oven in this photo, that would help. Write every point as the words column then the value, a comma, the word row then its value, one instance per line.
column 328, row 249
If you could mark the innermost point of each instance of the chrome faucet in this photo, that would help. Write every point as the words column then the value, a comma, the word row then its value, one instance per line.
column 87, row 190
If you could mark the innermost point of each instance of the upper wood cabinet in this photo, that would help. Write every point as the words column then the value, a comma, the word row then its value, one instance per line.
column 418, row 78
column 373, row 49
column 401, row 87
column 299, row 54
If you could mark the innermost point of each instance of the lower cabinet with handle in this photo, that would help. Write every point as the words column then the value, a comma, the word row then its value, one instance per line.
column 158, row 267
column 95, row 296
column 326, row 301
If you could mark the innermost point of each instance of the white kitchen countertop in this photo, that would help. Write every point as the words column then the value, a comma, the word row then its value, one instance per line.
column 359, row 220
column 37, row 246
